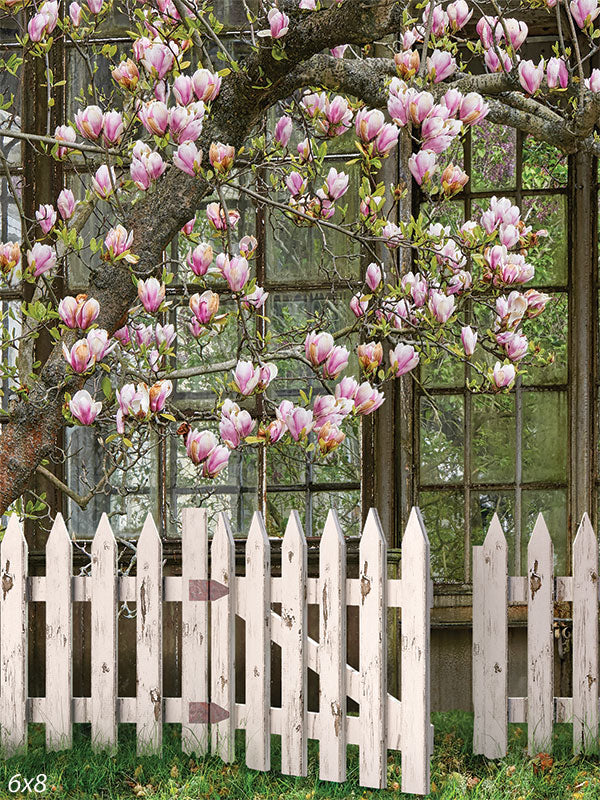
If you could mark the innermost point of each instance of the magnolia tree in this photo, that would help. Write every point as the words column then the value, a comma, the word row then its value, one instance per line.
column 185, row 126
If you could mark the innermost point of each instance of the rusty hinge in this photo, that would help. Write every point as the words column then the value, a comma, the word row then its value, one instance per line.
column 206, row 712
column 202, row 589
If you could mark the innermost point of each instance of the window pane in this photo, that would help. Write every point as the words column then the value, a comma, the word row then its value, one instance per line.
column 483, row 507
column 443, row 515
column 347, row 506
column 543, row 165
column 493, row 439
column 553, row 505
column 493, row 157
column 441, row 439
column 548, row 212
column 550, row 331
column 279, row 505
column 545, row 436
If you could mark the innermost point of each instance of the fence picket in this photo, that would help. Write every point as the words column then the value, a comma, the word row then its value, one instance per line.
column 373, row 654
column 222, row 620
column 59, row 638
column 478, row 661
column 149, row 714
column 585, row 639
column 332, row 652
column 104, row 596
column 258, row 646
column 417, row 594
column 293, row 649
column 13, row 640
column 194, row 628
column 540, row 643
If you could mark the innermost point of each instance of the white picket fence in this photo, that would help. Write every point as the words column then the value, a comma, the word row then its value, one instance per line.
column 209, row 603
column 492, row 591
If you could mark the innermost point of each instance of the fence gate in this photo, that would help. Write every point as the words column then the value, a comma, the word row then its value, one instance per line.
column 492, row 591
column 209, row 603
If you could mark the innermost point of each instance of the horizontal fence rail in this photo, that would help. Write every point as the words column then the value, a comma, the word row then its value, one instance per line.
column 207, row 708
column 493, row 590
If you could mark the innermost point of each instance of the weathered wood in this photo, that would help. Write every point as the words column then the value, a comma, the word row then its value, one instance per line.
column 149, row 713
column 293, row 649
column 222, row 620
column 104, row 638
column 373, row 654
column 585, row 639
column 540, row 643
column 258, row 646
column 13, row 640
column 59, row 638
column 478, row 656
column 332, row 652
column 194, row 629
column 418, row 594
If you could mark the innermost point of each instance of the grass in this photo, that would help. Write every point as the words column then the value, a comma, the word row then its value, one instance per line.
column 456, row 773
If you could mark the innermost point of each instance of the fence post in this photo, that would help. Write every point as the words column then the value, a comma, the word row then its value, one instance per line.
column 416, row 602
column 540, row 640
column 585, row 639
column 373, row 654
column 194, row 629
column 13, row 640
column 293, row 649
column 258, row 646
column 104, row 596
column 59, row 638
column 222, row 637
column 149, row 714
column 478, row 655
column 332, row 652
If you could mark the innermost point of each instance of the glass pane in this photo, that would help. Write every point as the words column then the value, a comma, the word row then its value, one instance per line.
column 279, row 505
column 347, row 506
column 450, row 213
column 238, row 507
column 286, row 465
column 483, row 507
column 543, row 165
column 550, row 331
column 444, row 518
column 297, row 254
column 493, row 439
column 343, row 464
column 493, row 157
column 442, row 372
column 553, row 505
column 442, row 421
column 545, row 436
column 548, row 212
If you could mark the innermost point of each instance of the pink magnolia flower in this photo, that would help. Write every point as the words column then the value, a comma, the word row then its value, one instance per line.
column 183, row 89
column 593, row 82
column 66, row 204
column 235, row 424
column 336, row 115
column 584, row 11
column 299, row 422
column 304, row 150
column 221, row 157
column 158, row 395
column 498, row 61
column 336, row 362
column 530, row 76
column 158, row 59
column 268, row 373
column 216, row 217
column 469, row 339
column 256, row 299
column 422, row 166
column 317, row 347
column 204, row 306
column 440, row 65
column 346, row 389
column 118, row 242
column 207, row 84
column 374, row 276
column 75, row 14
column 199, row 444
column 503, row 375
column 146, row 169
column 246, row 377
column 89, row 122
column 307, row 5
column 536, row 302
column 441, row 306
column 439, row 19
column 188, row 158
column 44, row 22
column 216, row 462
column 154, row 116
column 95, row 6
column 102, row 181
column 98, row 343
column 113, row 127
column 151, row 294
column 126, row 74
column 188, row 228
column 278, row 23
column 386, row 140
column 78, row 312
column 283, row 131
column 368, row 123
column 459, row 14
column 314, row 103
column 453, row 180
column 236, row 271
column 358, row 305
column 407, row 63
column 83, row 407
column 367, row 399
column 338, row 52
column 403, row 359
column 133, row 402
column 557, row 73
column 336, row 184
column 330, row 437
column 46, row 217
column 295, row 183
column 248, row 245
column 79, row 357
column 10, row 256
column 200, row 258
column 64, row 133
column 515, row 345
column 41, row 258
column 164, row 334
column 370, row 355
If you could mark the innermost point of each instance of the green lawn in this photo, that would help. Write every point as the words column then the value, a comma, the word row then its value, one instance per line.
column 456, row 773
